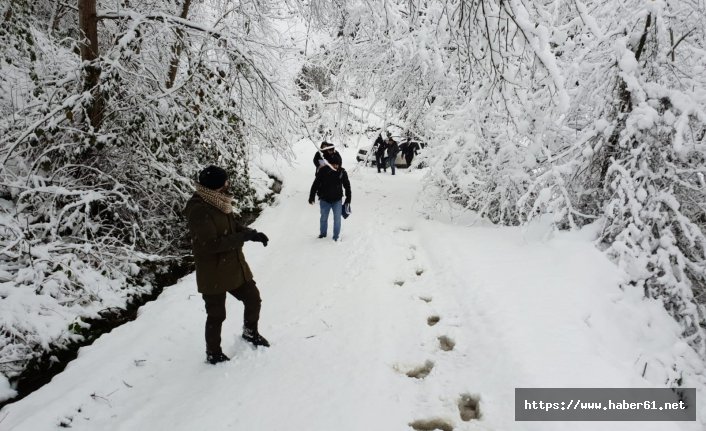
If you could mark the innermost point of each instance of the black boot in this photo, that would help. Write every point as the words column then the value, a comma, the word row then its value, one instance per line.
column 215, row 358
column 253, row 337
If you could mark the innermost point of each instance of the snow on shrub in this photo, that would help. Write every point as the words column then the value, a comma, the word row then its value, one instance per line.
column 93, row 178
column 590, row 111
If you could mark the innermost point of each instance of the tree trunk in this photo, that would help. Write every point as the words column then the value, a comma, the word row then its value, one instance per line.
column 624, row 105
column 177, row 47
column 88, row 23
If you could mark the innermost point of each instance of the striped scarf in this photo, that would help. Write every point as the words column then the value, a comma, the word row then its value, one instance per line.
column 222, row 201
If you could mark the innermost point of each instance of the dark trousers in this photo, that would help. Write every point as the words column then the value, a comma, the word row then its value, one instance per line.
column 381, row 162
column 408, row 158
column 248, row 294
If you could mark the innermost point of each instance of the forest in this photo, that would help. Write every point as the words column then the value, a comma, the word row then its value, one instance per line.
column 581, row 112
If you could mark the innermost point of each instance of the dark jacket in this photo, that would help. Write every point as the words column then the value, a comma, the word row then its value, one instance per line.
column 380, row 148
column 404, row 147
column 392, row 148
column 333, row 158
column 217, row 242
column 411, row 148
column 329, row 185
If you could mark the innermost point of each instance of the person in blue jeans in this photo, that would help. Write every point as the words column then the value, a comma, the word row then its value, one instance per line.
column 392, row 150
column 331, row 179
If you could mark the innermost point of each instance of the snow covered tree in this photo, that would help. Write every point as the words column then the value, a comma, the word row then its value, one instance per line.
column 633, row 146
column 109, row 110
column 475, row 79
column 591, row 111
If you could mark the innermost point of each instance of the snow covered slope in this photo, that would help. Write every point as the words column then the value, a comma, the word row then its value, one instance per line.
column 401, row 321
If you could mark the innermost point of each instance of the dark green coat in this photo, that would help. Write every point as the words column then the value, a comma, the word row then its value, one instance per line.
column 217, row 243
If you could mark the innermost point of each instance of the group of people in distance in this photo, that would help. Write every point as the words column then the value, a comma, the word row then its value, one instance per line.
column 386, row 151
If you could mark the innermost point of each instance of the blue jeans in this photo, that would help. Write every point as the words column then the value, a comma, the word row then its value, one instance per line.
column 337, row 208
column 392, row 163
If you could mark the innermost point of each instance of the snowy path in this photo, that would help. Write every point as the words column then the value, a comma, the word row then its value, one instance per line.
column 402, row 321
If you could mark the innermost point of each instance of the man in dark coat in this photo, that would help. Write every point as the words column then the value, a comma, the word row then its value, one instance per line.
column 392, row 150
column 217, row 242
column 404, row 146
column 329, row 183
column 373, row 150
column 329, row 151
column 409, row 151
column 379, row 147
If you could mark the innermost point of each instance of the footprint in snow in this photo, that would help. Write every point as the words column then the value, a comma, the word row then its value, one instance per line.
column 399, row 283
column 426, row 299
column 433, row 320
column 419, row 272
column 421, row 371
column 468, row 407
column 446, row 344
column 431, row 425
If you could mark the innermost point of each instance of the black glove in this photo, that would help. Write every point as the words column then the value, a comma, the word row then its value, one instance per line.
column 260, row 237
column 347, row 202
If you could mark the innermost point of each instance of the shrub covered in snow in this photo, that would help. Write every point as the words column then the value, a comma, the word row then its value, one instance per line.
column 591, row 111
column 94, row 174
column 635, row 154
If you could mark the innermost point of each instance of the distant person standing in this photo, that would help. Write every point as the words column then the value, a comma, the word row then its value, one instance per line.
column 409, row 152
column 380, row 147
column 392, row 150
column 217, row 241
column 329, row 184
column 327, row 149
column 374, row 149
column 403, row 147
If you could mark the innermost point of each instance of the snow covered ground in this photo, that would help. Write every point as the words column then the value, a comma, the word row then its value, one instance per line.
column 397, row 323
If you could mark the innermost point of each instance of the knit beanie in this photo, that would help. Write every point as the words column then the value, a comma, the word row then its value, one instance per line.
column 213, row 177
